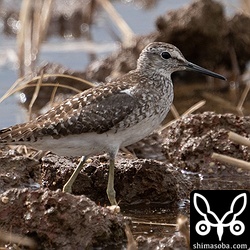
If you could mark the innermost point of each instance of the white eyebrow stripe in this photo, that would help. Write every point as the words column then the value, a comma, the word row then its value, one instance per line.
column 176, row 55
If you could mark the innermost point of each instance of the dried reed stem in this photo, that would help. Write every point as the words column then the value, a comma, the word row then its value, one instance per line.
column 132, row 244
column 219, row 100
column 232, row 161
column 243, row 97
column 35, row 95
column 245, row 7
column 53, row 94
column 194, row 107
column 22, row 34
column 49, row 85
column 127, row 33
column 183, row 227
column 15, row 88
column 174, row 111
column 11, row 90
column 34, row 19
column 18, row 239
column 239, row 139
column 154, row 223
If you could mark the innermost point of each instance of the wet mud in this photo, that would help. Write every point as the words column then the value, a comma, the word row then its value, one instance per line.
column 33, row 204
column 56, row 220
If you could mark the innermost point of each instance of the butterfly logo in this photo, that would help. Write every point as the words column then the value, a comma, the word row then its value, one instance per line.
column 203, row 227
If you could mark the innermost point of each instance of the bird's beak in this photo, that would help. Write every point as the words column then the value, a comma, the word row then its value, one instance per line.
column 194, row 67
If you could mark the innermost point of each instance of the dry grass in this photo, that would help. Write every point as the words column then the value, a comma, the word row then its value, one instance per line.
column 238, row 139
column 183, row 227
column 127, row 33
column 34, row 18
column 16, row 240
column 230, row 160
column 132, row 244
column 245, row 7
column 20, row 85
column 187, row 112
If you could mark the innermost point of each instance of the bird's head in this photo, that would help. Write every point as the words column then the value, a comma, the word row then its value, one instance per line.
column 164, row 58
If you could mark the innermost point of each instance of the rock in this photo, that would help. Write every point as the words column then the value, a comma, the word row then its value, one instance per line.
column 18, row 172
column 58, row 220
column 138, row 181
column 149, row 147
column 240, row 38
column 197, row 30
column 191, row 140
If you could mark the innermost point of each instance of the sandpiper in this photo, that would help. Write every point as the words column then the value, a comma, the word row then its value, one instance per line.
column 108, row 117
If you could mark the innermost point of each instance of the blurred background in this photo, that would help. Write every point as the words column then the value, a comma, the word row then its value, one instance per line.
column 73, row 34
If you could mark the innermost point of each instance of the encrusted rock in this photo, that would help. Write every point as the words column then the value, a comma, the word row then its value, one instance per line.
column 136, row 181
column 58, row 220
column 191, row 140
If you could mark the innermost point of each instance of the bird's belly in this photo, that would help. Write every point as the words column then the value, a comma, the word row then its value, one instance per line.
column 74, row 145
column 139, row 131
column 93, row 143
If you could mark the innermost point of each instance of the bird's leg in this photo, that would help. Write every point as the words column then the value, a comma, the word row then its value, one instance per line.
column 68, row 186
column 110, row 187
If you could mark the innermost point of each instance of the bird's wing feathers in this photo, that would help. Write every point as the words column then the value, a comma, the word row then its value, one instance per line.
column 106, row 114
column 99, row 116
column 98, row 110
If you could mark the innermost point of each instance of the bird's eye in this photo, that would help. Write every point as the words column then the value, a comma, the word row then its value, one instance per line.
column 165, row 55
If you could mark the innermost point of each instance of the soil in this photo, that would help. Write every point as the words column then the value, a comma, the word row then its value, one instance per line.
column 56, row 220
column 33, row 204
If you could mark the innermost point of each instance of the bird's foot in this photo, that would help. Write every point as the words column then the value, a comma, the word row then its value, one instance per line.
column 114, row 209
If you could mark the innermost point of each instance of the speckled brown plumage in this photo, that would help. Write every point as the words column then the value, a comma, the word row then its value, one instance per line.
column 95, row 110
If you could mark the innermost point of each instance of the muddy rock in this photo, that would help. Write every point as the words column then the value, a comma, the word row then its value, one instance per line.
column 136, row 181
column 191, row 140
column 240, row 37
column 149, row 147
column 197, row 30
column 18, row 172
column 59, row 220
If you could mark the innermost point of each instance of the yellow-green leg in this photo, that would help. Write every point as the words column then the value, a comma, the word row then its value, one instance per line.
column 68, row 186
column 110, row 187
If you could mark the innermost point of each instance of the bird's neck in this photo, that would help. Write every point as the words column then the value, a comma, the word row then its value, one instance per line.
column 147, row 68
column 156, row 78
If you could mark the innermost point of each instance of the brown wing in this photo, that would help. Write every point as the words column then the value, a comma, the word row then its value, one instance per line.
column 106, row 114
column 99, row 116
column 97, row 110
